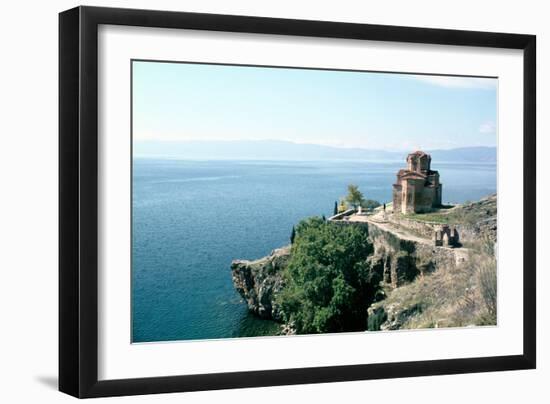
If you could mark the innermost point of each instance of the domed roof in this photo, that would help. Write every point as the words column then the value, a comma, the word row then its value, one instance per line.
column 418, row 153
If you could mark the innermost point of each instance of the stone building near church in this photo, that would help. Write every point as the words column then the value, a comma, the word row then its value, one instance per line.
column 446, row 236
column 417, row 188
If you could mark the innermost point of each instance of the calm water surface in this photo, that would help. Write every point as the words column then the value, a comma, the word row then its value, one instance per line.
column 191, row 218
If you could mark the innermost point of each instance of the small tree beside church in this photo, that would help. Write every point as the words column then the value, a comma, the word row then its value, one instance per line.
column 342, row 206
column 354, row 196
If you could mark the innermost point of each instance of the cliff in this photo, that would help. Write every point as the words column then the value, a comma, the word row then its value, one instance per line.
column 259, row 281
column 422, row 284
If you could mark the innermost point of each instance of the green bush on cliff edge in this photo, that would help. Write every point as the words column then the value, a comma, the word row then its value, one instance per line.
column 328, row 281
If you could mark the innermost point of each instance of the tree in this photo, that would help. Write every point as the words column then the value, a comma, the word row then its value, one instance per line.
column 342, row 206
column 328, row 280
column 369, row 204
column 335, row 212
column 354, row 196
column 292, row 235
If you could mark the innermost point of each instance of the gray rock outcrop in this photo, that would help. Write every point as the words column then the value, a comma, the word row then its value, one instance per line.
column 259, row 281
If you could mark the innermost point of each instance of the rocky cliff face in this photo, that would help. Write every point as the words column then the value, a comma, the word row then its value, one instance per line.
column 259, row 281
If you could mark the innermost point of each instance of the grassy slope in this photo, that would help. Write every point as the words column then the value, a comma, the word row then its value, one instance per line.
column 447, row 298
column 467, row 214
column 450, row 298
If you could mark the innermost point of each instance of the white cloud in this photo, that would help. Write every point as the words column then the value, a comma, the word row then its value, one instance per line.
column 459, row 82
column 487, row 127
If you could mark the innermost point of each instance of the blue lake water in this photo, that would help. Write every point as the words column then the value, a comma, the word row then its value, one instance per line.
column 192, row 218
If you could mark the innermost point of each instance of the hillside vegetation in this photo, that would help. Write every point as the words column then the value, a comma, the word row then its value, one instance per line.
column 328, row 281
column 469, row 213
column 464, row 296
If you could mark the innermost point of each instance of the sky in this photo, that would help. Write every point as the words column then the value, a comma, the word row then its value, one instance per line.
column 388, row 111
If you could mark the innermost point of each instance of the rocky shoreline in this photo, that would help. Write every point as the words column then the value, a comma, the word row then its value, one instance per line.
column 259, row 281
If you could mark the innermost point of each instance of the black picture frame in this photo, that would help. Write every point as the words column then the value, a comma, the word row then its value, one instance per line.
column 78, row 201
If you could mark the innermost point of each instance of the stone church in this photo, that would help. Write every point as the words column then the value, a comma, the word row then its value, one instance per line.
column 417, row 188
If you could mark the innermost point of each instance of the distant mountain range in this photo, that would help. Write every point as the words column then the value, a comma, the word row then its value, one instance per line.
column 282, row 150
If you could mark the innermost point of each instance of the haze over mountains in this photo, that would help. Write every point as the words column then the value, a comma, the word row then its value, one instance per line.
column 283, row 150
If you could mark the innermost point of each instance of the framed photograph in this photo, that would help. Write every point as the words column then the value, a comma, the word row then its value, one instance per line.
column 249, row 201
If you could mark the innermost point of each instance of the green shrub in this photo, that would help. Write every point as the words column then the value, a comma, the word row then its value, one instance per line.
column 328, row 282
column 376, row 319
column 369, row 204
column 342, row 207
